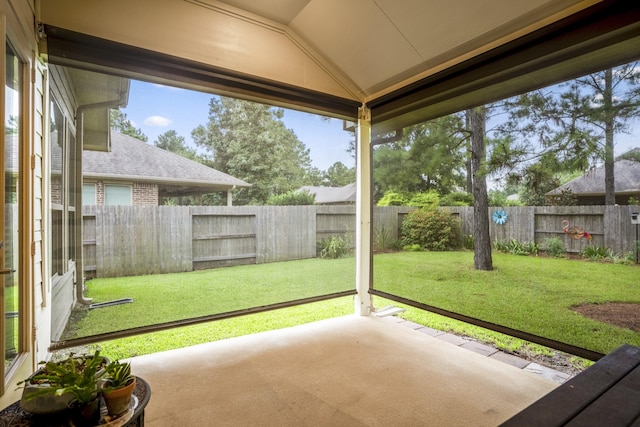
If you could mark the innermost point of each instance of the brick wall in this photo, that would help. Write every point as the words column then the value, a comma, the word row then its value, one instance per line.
column 143, row 194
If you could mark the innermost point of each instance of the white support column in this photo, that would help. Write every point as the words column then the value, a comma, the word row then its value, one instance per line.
column 363, row 212
column 229, row 198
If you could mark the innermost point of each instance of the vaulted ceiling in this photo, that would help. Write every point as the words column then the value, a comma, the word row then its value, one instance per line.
column 382, row 44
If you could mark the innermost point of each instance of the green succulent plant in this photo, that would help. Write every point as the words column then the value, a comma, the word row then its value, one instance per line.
column 118, row 375
column 78, row 375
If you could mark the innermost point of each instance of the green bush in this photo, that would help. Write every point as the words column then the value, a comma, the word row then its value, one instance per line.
column 335, row 247
column 595, row 253
column 412, row 248
column 467, row 242
column 554, row 247
column 392, row 198
column 292, row 198
column 432, row 229
column 516, row 248
column 430, row 199
column 382, row 240
column 457, row 199
column 598, row 253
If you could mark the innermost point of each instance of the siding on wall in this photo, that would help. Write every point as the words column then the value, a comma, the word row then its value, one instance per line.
column 41, row 280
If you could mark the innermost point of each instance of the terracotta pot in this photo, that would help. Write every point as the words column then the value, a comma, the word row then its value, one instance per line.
column 118, row 400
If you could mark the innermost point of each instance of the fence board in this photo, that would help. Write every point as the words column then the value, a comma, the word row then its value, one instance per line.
column 387, row 224
column 223, row 236
column 140, row 240
column 286, row 233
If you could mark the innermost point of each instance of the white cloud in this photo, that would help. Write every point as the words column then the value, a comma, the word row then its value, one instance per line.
column 170, row 88
column 157, row 121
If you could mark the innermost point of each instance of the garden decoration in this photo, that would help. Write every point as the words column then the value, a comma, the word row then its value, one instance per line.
column 574, row 231
column 500, row 217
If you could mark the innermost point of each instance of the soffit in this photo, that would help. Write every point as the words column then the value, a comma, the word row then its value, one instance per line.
column 95, row 94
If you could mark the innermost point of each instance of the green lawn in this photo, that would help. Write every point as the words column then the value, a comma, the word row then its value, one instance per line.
column 534, row 294
column 529, row 293
column 168, row 297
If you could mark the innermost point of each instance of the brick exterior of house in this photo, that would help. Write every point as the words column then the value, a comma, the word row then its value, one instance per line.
column 145, row 194
column 142, row 194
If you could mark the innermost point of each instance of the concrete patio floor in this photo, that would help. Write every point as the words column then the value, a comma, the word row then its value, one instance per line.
column 347, row 371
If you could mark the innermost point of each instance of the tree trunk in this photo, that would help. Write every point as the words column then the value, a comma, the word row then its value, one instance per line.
column 609, row 178
column 467, row 163
column 481, row 240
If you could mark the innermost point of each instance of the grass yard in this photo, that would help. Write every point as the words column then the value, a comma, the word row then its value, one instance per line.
column 534, row 294
column 167, row 297
column 529, row 293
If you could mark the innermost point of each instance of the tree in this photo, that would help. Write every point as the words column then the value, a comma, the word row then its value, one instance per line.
column 575, row 122
column 314, row 176
column 119, row 122
column 476, row 119
column 250, row 141
column 429, row 156
column 171, row 141
column 609, row 100
column 339, row 175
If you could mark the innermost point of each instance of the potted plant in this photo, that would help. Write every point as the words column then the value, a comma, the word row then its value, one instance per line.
column 117, row 387
column 72, row 383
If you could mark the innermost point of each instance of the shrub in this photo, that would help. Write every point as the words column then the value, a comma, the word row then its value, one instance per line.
column 516, row 248
column 382, row 240
column 335, row 247
column 457, row 199
column 565, row 198
column 392, row 198
column 595, row 253
column 430, row 199
column 432, row 229
column 467, row 242
column 554, row 247
column 412, row 248
column 598, row 253
column 292, row 198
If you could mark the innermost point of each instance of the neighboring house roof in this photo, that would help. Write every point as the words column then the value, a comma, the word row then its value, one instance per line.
column 133, row 160
column 627, row 180
column 327, row 195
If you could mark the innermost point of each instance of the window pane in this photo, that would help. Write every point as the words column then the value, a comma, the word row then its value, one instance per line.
column 88, row 194
column 10, row 245
column 71, row 198
column 117, row 195
column 57, row 189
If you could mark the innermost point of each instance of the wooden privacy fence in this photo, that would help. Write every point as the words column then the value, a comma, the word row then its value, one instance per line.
column 133, row 240
column 140, row 240
column 610, row 226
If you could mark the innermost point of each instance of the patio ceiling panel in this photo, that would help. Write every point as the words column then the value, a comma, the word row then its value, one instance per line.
column 604, row 35
column 382, row 43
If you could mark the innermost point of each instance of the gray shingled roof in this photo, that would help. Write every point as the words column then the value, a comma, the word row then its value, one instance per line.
column 134, row 160
column 627, row 180
column 327, row 195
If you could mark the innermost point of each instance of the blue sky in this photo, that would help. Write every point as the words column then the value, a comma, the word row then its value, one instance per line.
column 156, row 109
